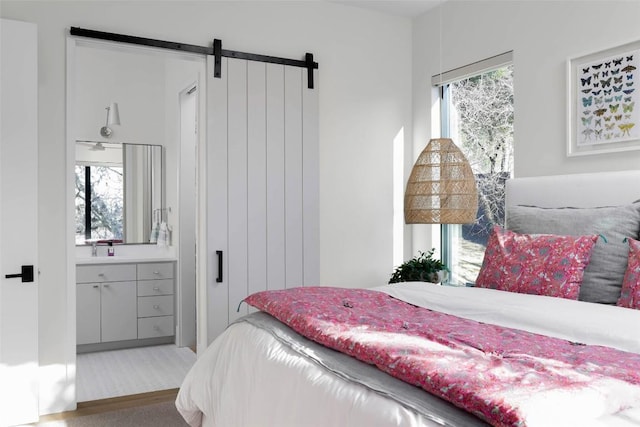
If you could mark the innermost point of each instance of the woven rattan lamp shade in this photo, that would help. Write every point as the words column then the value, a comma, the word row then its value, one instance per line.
column 441, row 187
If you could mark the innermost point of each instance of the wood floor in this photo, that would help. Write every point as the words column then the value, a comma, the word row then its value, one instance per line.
column 114, row 404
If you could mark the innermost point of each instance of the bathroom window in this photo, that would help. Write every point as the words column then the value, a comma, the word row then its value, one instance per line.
column 99, row 203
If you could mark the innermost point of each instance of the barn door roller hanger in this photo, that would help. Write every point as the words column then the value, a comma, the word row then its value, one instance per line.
column 216, row 51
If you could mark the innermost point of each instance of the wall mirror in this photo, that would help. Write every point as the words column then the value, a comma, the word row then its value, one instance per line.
column 118, row 191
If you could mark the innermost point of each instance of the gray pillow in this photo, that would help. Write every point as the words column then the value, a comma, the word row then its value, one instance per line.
column 602, row 280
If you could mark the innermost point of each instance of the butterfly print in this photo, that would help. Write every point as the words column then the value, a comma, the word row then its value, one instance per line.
column 587, row 133
column 625, row 128
column 628, row 68
column 629, row 76
column 587, row 101
column 618, row 117
column 630, row 58
column 609, row 126
column 614, row 108
column 617, row 97
column 628, row 91
column 629, row 84
column 596, row 84
column 627, row 99
column 586, row 120
column 596, row 67
column 598, row 122
column 586, row 81
column 617, row 88
column 607, row 92
column 596, row 75
column 607, row 64
column 606, row 82
column 617, row 61
column 627, row 108
column 617, row 79
column 616, row 71
column 627, row 116
column 598, row 100
column 585, row 70
column 586, row 112
column 595, row 92
column 600, row 111
column 607, row 118
column 609, row 99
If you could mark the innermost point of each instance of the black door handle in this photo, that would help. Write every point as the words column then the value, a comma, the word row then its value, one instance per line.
column 219, row 278
column 26, row 274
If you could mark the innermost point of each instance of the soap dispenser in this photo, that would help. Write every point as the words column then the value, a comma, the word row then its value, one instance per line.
column 111, row 251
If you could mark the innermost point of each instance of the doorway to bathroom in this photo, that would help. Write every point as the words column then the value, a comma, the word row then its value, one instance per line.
column 135, row 323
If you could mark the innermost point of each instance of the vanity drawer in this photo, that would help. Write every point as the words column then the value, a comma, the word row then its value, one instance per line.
column 155, row 287
column 155, row 306
column 155, row 270
column 105, row 273
column 152, row 327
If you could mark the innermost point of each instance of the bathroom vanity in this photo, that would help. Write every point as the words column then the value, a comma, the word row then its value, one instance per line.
column 124, row 303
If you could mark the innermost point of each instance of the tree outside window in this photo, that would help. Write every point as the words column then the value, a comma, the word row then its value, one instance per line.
column 106, row 203
column 481, row 118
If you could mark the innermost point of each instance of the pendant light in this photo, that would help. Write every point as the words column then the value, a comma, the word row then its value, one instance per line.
column 441, row 188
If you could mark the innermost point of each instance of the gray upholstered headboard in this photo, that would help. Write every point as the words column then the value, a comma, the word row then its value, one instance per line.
column 578, row 190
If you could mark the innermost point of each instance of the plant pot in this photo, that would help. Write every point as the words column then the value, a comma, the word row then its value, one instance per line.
column 439, row 276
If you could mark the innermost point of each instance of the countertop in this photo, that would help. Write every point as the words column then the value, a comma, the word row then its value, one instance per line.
column 120, row 260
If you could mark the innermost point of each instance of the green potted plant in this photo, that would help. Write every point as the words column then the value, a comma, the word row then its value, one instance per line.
column 421, row 268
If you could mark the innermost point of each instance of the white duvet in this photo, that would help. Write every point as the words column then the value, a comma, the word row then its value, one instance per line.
column 248, row 378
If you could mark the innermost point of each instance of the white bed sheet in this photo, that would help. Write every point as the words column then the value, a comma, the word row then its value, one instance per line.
column 248, row 368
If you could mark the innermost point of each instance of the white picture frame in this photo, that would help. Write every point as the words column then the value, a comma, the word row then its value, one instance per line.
column 603, row 101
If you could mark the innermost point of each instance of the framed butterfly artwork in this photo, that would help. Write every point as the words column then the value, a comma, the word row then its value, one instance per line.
column 603, row 100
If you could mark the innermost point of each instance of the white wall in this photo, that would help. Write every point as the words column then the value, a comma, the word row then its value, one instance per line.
column 365, row 100
column 133, row 80
column 542, row 35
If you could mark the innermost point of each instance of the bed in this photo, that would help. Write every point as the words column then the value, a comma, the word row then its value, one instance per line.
column 263, row 372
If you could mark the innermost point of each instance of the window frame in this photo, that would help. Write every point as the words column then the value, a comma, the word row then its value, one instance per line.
column 443, row 82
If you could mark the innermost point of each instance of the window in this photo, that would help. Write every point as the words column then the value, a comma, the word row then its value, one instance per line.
column 99, row 203
column 477, row 113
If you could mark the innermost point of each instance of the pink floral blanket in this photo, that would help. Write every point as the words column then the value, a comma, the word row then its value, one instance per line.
column 507, row 377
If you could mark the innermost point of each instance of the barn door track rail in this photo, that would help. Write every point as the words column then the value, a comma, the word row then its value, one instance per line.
column 216, row 51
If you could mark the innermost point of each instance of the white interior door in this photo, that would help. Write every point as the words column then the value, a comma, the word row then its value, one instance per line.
column 18, row 224
column 262, row 204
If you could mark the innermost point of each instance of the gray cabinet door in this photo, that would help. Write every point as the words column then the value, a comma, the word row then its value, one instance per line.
column 87, row 313
column 119, row 311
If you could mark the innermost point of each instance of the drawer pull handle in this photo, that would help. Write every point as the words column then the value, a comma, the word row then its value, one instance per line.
column 155, row 288
column 96, row 286
column 101, row 274
column 157, row 307
column 106, row 285
column 156, row 272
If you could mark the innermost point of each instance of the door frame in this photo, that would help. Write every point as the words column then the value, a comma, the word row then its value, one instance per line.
column 72, row 42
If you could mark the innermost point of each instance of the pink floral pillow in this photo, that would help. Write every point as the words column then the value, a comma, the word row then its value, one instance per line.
column 541, row 264
column 630, row 296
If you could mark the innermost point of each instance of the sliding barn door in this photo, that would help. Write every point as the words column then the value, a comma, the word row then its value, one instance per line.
column 262, row 184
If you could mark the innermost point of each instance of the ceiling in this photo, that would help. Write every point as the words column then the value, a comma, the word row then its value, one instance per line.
column 406, row 8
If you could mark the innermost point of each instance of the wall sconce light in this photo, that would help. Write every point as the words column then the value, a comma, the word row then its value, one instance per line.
column 113, row 118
